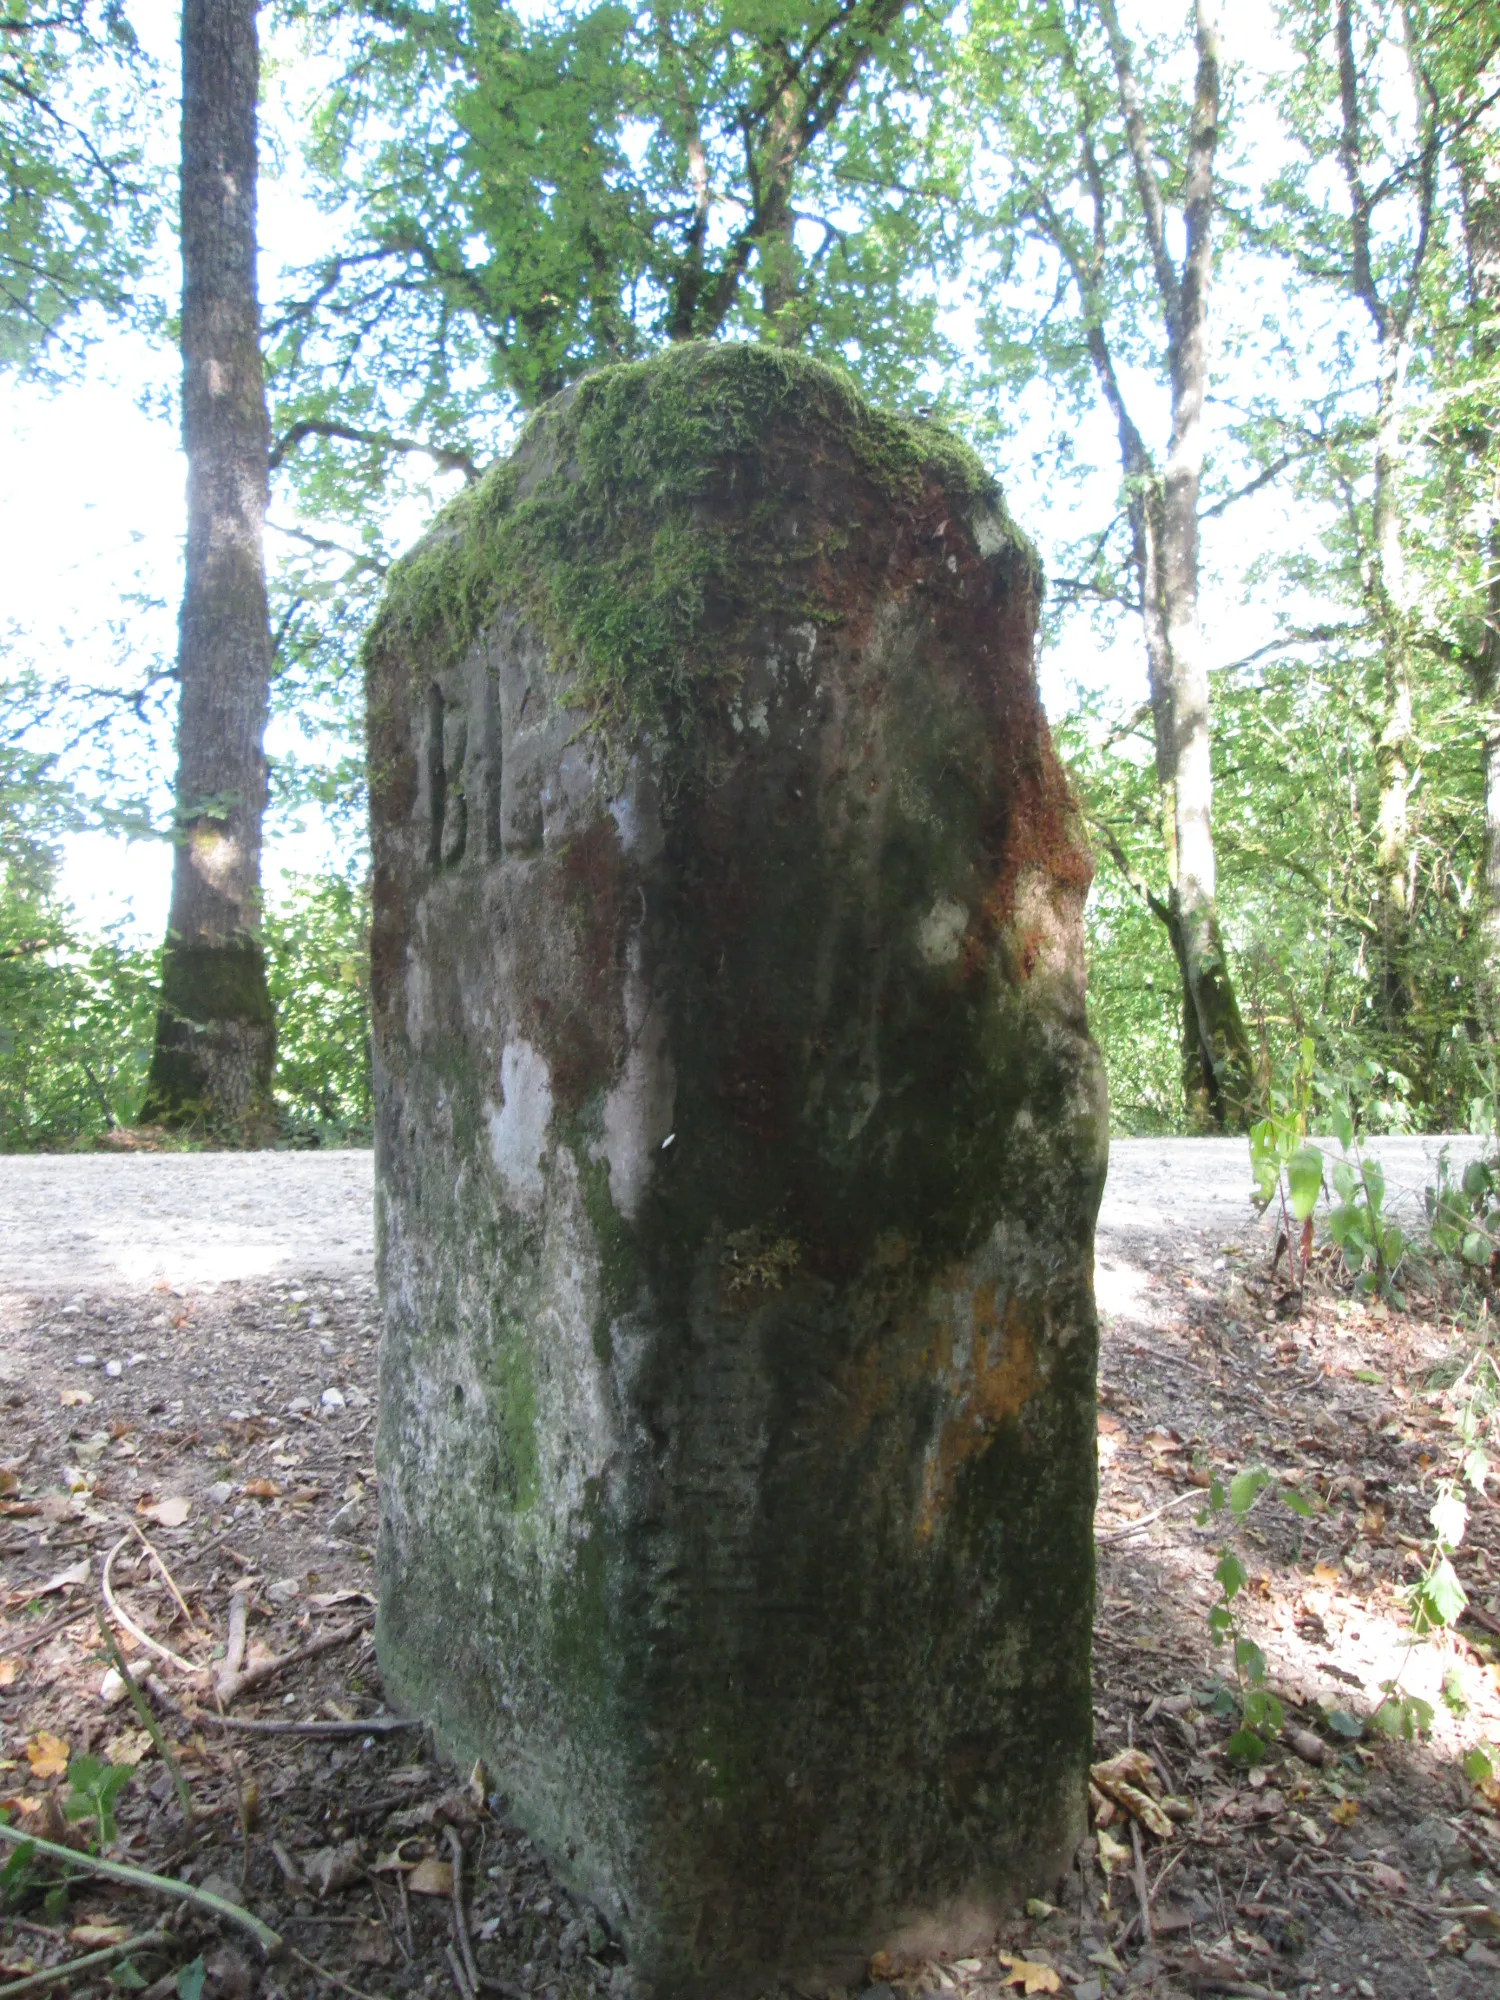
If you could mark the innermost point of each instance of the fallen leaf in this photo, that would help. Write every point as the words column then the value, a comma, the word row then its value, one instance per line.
column 396, row 1863
column 8, row 1672
column 881, row 1967
column 1345, row 1813
column 75, row 1399
column 1129, row 1767
column 1030, row 1976
column 333, row 1868
column 129, row 1747
column 1145, row 1809
column 47, row 1755
column 168, row 1513
column 18, row 1510
column 1112, row 1851
column 98, row 1934
column 1387, row 1878
column 261, row 1489
column 431, row 1878
column 66, row 1579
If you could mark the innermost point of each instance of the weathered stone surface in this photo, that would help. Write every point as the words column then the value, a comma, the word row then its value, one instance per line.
column 739, row 1142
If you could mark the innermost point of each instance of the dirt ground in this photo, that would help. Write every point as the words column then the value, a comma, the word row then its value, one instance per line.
column 201, row 1402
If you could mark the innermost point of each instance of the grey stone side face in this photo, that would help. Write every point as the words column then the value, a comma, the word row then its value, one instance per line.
column 739, row 1141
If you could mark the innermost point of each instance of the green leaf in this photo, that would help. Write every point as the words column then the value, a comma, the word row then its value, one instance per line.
column 1476, row 1248
column 1477, row 1180
column 1343, row 1131
column 1250, row 1660
column 1477, row 1468
column 1342, row 1723
column 1344, row 1180
column 1245, row 1747
column 191, row 1979
column 1304, row 1179
column 1299, row 1503
column 1482, row 1762
column 1246, row 1488
column 1263, row 1711
column 1230, row 1574
column 126, row 1979
column 1439, row 1599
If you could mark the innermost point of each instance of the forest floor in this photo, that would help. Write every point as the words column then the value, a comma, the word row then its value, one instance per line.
column 187, row 1380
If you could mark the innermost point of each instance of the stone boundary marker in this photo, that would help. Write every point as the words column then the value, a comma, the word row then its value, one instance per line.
column 739, row 1144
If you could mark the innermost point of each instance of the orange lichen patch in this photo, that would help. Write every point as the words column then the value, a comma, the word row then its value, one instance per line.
column 991, row 1377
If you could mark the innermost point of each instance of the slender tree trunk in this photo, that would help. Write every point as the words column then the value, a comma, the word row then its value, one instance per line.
column 215, row 1032
column 1218, row 1066
column 1479, row 181
column 1393, row 747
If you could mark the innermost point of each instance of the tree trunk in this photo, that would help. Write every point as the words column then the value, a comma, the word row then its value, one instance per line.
column 1479, row 182
column 1218, row 1067
column 1393, row 747
column 215, row 1031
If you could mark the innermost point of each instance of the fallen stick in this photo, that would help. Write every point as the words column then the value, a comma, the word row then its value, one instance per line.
column 233, row 1686
column 323, row 1973
column 35, row 1981
column 460, row 1915
column 170, row 1581
column 124, row 1618
column 51, row 1631
column 378, row 1725
column 147, row 1720
column 1148, row 1520
column 158, row 1885
column 234, row 1645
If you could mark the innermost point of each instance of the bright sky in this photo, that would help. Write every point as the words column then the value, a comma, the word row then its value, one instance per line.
column 91, row 510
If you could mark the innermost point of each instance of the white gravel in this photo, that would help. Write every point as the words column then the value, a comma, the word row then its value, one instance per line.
column 83, row 1222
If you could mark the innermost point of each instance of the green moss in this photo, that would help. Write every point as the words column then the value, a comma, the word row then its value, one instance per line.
column 511, row 1391
column 618, row 526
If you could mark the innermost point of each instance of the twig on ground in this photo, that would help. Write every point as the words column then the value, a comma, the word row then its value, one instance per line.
column 51, row 1631
column 146, row 1719
column 234, row 1645
column 170, row 1581
column 1142, row 1893
column 158, row 1885
column 378, row 1725
column 460, row 1918
column 1148, row 1520
column 323, row 1973
column 142, row 1638
column 460, row 1977
column 411, row 1945
column 35, row 1981
column 230, row 1687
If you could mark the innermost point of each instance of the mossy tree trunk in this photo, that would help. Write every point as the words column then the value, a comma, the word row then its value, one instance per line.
column 215, row 1032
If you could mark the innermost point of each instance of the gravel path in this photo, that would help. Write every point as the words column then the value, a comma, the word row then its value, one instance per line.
column 89, row 1221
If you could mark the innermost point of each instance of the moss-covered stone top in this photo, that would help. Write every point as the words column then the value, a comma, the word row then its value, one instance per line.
column 640, row 524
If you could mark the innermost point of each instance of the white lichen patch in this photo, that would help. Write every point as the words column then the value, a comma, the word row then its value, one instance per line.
column 518, row 1124
column 638, row 1111
column 940, row 935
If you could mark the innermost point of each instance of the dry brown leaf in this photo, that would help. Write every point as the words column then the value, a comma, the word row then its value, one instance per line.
column 129, row 1747
column 47, row 1755
column 261, row 1489
column 99, row 1934
column 18, row 1510
column 1028, row 1974
column 1145, row 1809
column 1129, row 1767
column 1345, row 1813
column 9, row 1670
column 1112, row 1852
column 75, row 1399
column 431, row 1878
column 396, row 1863
column 168, row 1513
column 333, row 1868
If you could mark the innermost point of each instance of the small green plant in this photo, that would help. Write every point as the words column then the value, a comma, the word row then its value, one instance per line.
column 1372, row 1246
column 93, row 1787
column 1285, row 1167
column 1259, row 1712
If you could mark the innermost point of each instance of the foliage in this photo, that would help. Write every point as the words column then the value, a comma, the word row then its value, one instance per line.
column 317, row 950
column 93, row 1787
column 79, row 201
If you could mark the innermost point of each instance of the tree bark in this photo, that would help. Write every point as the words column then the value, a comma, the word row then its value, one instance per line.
column 1218, row 1067
column 215, row 1031
column 1478, row 162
